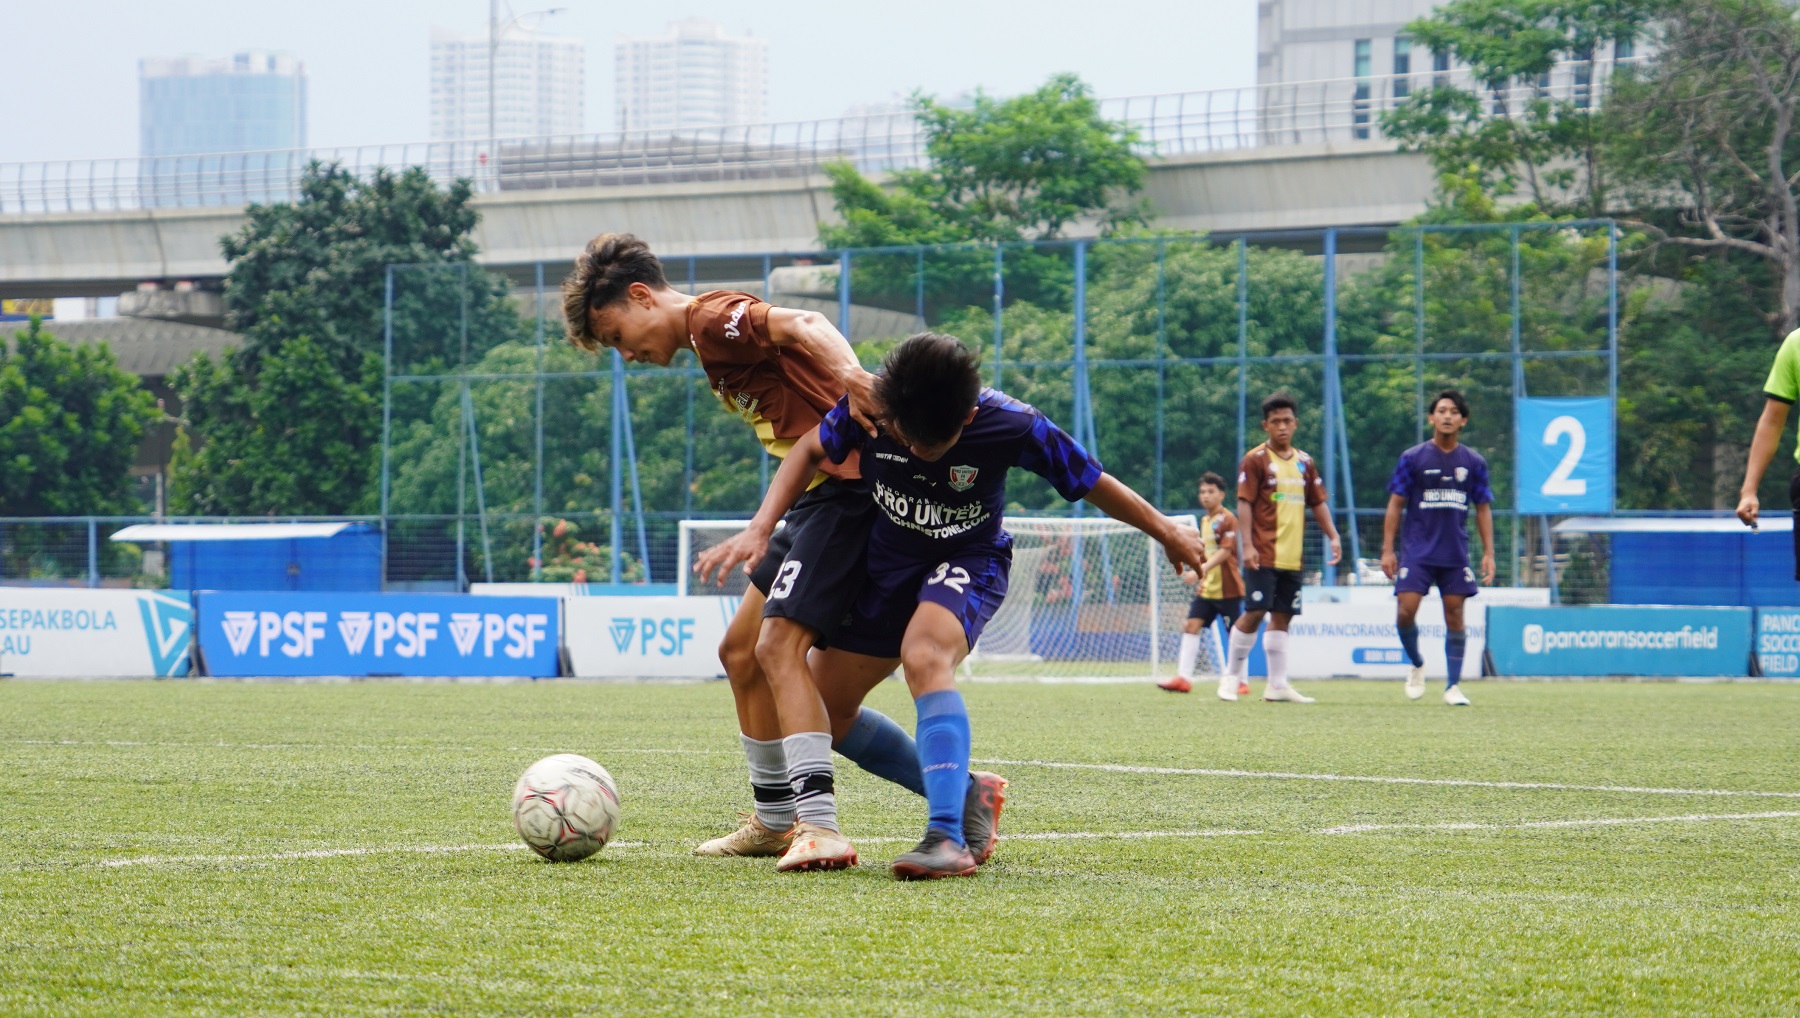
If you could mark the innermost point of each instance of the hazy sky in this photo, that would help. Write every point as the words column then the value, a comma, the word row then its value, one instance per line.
column 68, row 81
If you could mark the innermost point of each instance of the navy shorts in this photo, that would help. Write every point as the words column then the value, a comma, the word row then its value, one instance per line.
column 1451, row 581
column 970, row 584
column 1272, row 590
column 1206, row 609
column 814, row 563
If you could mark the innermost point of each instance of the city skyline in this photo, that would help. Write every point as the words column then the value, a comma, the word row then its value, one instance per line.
column 368, row 64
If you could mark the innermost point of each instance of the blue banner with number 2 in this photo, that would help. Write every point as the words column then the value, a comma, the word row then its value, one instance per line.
column 1565, row 455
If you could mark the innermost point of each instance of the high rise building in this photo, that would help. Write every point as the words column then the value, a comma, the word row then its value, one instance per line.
column 695, row 76
column 538, row 85
column 251, row 102
column 194, row 113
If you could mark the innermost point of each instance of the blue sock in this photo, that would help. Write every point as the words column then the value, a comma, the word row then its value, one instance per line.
column 944, row 752
column 881, row 747
column 1409, row 638
column 1454, row 642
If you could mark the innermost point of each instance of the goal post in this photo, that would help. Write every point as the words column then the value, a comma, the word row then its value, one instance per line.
column 1088, row 598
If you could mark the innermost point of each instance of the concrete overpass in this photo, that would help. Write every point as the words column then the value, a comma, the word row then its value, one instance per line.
column 1292, row 187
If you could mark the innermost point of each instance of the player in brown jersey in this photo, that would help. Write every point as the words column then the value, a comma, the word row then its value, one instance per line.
column 1275, row 481
column 781, row 370
column 1218, row 592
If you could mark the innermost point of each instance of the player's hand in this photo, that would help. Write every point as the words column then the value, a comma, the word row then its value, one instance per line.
column 865, row 409
column 1747, row 508
column 1185, row 548
column 744, row 548
column 1337, row 551
column 1487, row 568
column 1189, row 577
column 1251, row 559
column 1390, row 564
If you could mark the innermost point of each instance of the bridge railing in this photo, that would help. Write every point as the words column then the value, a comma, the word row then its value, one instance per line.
column 1167, row 124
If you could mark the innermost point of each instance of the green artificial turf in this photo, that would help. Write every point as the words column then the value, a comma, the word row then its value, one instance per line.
column 213, row 788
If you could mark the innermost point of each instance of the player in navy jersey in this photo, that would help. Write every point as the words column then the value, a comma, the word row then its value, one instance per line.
column 938, row 556
column 1435, row 484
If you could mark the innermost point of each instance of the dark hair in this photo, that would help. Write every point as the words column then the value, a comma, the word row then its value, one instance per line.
column 1462, row 405
column 608, row 265
column 1279, row 401
column 928, row 385
column 1213, row 479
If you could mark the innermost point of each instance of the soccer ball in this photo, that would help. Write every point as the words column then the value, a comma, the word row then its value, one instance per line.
column 565, row 806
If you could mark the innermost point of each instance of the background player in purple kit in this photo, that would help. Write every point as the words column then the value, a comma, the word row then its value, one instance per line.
column 938, row 557
column 1435, row 483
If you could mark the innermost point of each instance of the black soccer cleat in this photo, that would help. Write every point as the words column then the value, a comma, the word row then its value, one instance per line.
column 936, row 856
column 981, row 813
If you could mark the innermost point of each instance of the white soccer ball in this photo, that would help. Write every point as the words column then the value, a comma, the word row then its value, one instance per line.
column 565, row 807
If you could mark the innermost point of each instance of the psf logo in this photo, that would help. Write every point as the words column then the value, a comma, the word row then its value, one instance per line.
column 963, row 478
column 666, row 637
column 298, row 634
column 1534, row 639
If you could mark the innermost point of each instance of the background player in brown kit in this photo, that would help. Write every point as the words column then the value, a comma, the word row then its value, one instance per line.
column 1219, row 593
column 1275, row 481
column 781, row 370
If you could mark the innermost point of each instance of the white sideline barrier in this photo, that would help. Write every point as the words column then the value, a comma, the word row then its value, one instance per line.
column 646, row 637
column 1349, row 631
column 47, row 631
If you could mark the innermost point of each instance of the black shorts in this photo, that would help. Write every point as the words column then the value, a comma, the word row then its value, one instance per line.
column 1206, row 609
column 1794, row 500
column 815, row 563
column 1272, row 590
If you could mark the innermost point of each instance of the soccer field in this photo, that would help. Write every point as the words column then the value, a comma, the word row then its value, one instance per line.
column 244, row 848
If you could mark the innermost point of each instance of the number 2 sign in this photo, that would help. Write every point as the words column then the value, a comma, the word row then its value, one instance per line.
column 1565, row 455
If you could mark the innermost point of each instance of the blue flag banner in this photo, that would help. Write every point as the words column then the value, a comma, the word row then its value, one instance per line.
column 1565, row 455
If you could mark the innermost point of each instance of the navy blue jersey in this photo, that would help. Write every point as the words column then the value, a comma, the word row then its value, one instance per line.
column 1440, row 488
column 930, row 510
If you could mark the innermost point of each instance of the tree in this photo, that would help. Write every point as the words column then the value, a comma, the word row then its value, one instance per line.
column 1004, row 171
column 291, row 423
column 70, row 422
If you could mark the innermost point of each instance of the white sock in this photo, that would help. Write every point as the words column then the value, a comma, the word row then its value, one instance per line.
column 1275, row 649
column 1218, row 649
column 1190, row 649
column 1241, row 645
column 809, row 772
column 769, row 782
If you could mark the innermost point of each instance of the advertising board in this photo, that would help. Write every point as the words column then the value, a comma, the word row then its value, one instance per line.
column 47, row 631
column 1619, row 640
column 647, row 637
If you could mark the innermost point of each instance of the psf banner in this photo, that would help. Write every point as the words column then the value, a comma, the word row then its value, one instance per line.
column 647, row 637
column 1778, row 642
column 52, row 631
column 1565, row 455
column 301, row 633
column 1619, row 640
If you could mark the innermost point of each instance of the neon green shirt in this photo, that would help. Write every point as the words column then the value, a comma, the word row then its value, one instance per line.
column 1784, row 374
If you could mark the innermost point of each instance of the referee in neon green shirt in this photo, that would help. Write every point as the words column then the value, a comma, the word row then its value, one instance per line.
column 1782, row 389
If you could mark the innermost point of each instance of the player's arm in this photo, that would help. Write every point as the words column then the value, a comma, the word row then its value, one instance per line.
column 749, row 545
column 1248, row 489
column 816, row 337
column 1484, row 525
column 1390, row 528
column 1181, row 543
column 1315, row 496
column 1762, row 450
column 1226, row 535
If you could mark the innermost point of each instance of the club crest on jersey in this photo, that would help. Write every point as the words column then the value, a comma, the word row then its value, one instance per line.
column 963, row 478
column 1462, row 473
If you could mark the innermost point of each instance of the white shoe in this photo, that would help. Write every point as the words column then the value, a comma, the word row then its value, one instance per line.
column 1415, row 683
column 1455, row 698
column 1228, row 688
column 1286, row 694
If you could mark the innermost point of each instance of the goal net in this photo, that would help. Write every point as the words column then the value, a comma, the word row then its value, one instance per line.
column 1088, row 599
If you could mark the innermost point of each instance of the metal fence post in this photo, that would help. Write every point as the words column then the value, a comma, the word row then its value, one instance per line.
column 537, row 473
column 93, row 552
column 999, row 312
column 1243, row 371
column 1162, row 251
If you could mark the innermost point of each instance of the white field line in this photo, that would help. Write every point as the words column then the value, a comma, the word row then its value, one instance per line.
column 1377, row 779
column 1539, row 824
column 411, row 850
column 415, row 747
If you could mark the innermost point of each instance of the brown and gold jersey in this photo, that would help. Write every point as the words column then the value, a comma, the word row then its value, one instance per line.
column 1278, row 490
column 781, row 392
column 1219, row 533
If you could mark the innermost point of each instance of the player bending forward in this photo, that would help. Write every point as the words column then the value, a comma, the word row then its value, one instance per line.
column 1435, row 482
column 937, row 555
column 1218, row 593
column 1274, row 481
